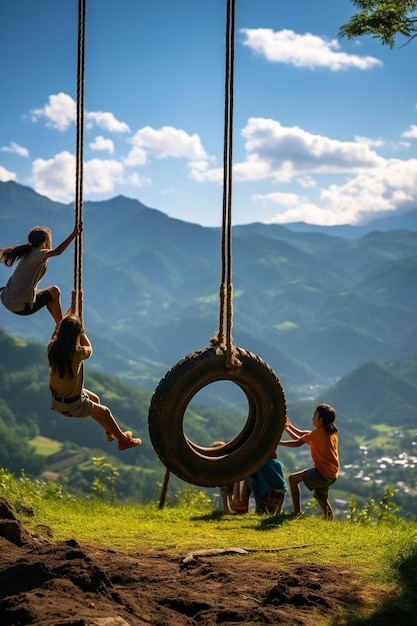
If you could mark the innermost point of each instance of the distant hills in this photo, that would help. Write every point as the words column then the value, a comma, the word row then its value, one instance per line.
column 397, row 221
column 315, row 303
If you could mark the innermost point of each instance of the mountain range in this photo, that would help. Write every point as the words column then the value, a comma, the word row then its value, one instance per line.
column 313, row 302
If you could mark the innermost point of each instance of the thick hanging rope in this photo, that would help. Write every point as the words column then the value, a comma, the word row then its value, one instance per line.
column 223, row 337
column 248, row 450
column 77, row 290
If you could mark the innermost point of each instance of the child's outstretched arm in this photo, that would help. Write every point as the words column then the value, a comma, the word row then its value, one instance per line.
column 64, row 245
column 291, row 444
column 294, row 432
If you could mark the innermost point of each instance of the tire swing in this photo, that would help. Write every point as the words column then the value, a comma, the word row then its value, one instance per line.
column 221, row 361
column 211, row 467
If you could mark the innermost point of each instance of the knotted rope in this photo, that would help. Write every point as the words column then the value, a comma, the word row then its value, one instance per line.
column 223, row 337
column 77, row 289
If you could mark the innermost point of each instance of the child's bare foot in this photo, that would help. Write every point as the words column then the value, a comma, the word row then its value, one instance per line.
column 110, row 436
column 129, row 441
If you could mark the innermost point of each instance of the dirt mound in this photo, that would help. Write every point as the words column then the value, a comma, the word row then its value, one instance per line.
column 47, row 583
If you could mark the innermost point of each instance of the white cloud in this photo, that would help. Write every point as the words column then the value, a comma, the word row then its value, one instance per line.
column 204, row 175
column 107, row 121
column 175, row 143
column 372, row 143
column 60, row 112
column 16, row 149
column 55, row 178
column 136, row 156
column 101, row 176
column 137, row 181
column 200, row 172
column 5, row 175
column 306, row 50
column 390, row 187
column 102, row 144
column 411, row 133
column 307, row 182
column 284, row 151
column 366, row 182
column 293, row 208
column 169, row 142
column 281, row 153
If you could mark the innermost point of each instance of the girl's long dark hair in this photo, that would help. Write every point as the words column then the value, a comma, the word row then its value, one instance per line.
column 62, row 350
column 327, row 414
column 36, row 237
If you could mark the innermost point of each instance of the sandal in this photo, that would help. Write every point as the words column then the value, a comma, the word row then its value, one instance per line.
column 130, row 442
column 239, row 505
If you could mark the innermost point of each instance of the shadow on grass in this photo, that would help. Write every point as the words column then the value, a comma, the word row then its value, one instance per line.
column 398, row 610
column 214, row 516
column 269, row 522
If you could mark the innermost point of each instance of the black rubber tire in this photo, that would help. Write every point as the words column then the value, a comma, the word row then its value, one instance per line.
column 241, row 457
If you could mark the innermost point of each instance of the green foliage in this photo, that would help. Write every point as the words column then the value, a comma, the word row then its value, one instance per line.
column 190, row 498
column 376, row 511
column 28, row 494
column 105, row 479
column 404, row 560
column 382, row 19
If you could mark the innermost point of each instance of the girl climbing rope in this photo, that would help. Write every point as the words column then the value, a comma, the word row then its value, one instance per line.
column 69, row 345
column 67, row 349
column 20, row 295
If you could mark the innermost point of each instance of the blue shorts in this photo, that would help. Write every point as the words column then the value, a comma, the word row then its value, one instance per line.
column 317, row 483
column 42, row 299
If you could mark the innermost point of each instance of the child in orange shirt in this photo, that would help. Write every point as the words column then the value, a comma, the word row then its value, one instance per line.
column 323, row 442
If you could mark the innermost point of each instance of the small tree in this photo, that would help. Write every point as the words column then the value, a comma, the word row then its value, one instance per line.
column 104, row 481
column 383, row 19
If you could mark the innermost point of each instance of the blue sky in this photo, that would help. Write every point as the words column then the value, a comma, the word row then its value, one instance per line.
column 325, row 130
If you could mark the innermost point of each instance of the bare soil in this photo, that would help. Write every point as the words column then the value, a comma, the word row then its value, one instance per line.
column 48, row 583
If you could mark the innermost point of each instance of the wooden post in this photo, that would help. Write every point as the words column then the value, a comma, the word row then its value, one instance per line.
column 164, row 489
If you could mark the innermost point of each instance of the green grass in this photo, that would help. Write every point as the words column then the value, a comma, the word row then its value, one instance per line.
column 381, row 557
column 44, row 446
column 383, row 437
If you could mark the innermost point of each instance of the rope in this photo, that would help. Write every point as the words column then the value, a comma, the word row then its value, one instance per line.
column 77, row 291
column 223, row 337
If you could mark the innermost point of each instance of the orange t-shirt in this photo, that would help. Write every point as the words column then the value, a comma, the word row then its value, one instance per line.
column 324, row 451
